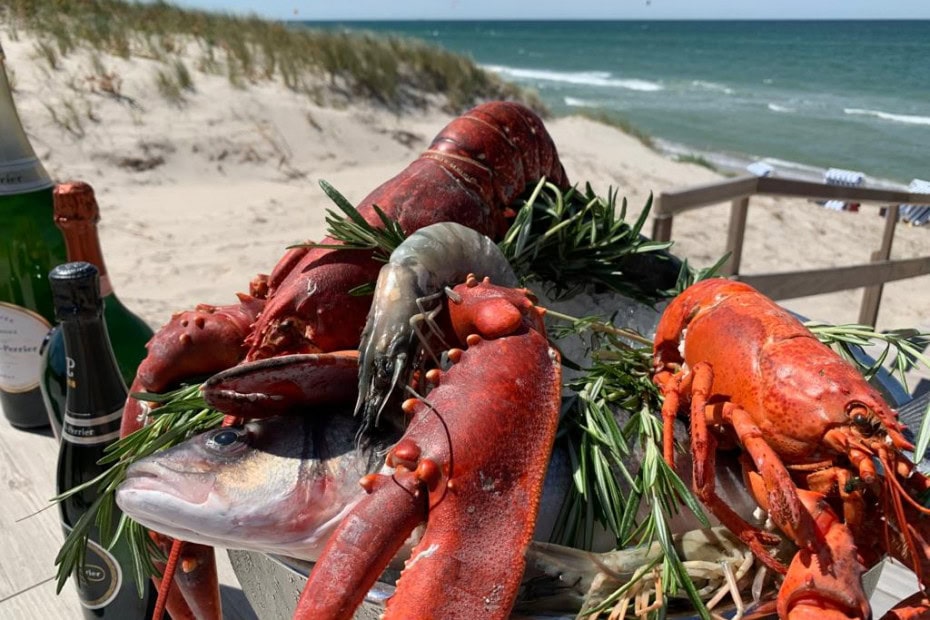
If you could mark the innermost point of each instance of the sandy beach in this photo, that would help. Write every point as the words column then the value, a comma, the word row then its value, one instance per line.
column 199, row 194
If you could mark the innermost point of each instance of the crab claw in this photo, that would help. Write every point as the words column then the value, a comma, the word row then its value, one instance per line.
column 472, row 464
column 283, row 384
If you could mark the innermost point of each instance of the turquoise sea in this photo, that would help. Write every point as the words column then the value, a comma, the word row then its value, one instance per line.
column 804, row 95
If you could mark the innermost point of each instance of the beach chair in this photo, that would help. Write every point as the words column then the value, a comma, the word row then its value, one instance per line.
column 761, row 169
column 848, row 178
column 916, row 215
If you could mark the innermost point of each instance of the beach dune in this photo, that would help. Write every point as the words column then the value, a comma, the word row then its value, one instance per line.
column 200, row 193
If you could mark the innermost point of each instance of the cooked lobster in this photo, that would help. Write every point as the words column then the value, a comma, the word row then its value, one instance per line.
column 811, row 430
column 471, row 173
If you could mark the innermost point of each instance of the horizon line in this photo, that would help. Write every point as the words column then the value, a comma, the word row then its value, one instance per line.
column 616, row 19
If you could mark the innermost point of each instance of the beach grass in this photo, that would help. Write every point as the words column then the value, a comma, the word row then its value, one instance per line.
column 329, row 66
column 622, row 124
column 697, row 160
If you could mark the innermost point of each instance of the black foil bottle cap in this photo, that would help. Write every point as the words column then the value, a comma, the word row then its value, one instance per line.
column 75, row 290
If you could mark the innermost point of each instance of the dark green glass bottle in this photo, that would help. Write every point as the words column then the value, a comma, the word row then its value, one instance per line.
column 30, row 245
column 93, row 412
column 77, row 214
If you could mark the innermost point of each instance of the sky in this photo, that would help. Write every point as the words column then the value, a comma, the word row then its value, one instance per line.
column 570, row 9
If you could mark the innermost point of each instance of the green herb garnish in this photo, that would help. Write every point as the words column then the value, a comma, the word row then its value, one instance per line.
column 182, row 414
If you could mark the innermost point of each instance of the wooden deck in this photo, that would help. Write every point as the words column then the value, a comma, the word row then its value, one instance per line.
column 30, row 543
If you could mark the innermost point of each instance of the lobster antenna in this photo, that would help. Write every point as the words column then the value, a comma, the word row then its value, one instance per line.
column 894, row 486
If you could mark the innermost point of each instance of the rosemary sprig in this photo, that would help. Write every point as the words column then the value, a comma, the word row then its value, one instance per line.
column 619, row 385
column 354, row 232
column 182, row 414
column 571, row 239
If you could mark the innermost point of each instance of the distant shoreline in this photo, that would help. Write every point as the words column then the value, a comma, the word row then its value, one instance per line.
column 724, row 90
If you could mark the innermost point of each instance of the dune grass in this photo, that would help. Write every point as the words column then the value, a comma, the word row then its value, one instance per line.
column 331, row 67
column 622, row 124
column 697, row 160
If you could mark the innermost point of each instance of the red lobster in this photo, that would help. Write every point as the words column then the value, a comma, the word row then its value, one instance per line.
column 471, row 173
column 811, row 430
column 471, row 465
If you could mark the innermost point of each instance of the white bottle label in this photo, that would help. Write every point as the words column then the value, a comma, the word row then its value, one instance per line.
column 23, row 175
column 99, row 580
column 21, row 335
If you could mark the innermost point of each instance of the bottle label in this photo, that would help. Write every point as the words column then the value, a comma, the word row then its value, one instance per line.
column 23, row 175
column 88, row 429
column 21, row 335
column 99, row 580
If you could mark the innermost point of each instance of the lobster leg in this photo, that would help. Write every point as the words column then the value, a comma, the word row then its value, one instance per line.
column 698, row 382
column 914, row 607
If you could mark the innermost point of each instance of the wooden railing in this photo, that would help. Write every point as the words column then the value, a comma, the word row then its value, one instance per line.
column 788, row 285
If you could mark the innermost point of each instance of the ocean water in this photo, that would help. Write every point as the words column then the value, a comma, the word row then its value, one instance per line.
column 802, row 95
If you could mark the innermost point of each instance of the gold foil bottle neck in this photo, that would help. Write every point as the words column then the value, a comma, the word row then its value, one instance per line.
column 20, row 169
column 75, row 201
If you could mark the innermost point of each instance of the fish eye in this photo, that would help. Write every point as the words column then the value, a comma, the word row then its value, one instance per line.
column 226, row 440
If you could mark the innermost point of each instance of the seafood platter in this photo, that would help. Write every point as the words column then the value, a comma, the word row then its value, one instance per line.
column 486, row 395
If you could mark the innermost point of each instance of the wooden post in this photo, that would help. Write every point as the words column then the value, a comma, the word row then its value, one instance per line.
column 739, row 209
column 872, row 296
column 662, row 228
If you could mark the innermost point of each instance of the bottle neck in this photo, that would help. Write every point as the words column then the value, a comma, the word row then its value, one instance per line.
column 20, row 170
column 96, row 391
column 83, row 244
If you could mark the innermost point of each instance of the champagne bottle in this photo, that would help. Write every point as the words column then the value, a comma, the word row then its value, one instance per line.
column 30, row 245
column 93, row 411
column 77, row 214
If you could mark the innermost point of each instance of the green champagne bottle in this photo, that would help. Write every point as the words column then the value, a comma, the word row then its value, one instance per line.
column 30, row 245
column 93, row 412
column 77, row 214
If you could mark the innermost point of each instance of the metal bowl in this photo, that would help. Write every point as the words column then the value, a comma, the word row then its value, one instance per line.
column 273, row 585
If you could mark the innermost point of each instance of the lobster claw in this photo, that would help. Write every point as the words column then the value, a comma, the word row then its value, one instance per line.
column 471, row 463
column 824, row 583
column 284, row 384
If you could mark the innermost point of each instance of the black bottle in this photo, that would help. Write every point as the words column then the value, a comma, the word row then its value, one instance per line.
column 96, row 394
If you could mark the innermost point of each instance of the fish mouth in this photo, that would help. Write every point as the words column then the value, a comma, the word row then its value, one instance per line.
column 151, row 488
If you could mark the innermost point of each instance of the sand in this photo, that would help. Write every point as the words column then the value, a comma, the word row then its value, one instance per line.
column 198, row 196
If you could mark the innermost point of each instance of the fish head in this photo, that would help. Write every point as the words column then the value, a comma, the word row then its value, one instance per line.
column 277, row 485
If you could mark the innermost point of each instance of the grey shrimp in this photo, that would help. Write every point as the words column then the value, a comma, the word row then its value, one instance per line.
column 408, row 296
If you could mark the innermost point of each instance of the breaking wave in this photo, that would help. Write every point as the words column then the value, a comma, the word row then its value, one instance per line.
column 887, row 116
column 774, row 107
column 575, row 102
column 714, row 86
column 584, row 78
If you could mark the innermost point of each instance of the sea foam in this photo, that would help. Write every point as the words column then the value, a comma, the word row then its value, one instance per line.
column 714, row 86
column 888, row 116
column 774, row 107
column 575, row 102
column 584, row 78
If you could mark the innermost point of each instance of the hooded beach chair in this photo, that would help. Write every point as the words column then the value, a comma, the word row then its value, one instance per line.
column 916, row 215
column 848, row 178
column 761, row 169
